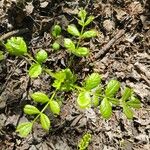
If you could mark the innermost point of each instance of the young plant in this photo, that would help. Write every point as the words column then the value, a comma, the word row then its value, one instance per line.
column 84, row 141
column 25, row 128
column 16, row 46
column 73, row 47
column 1, row 55
column 56, row 31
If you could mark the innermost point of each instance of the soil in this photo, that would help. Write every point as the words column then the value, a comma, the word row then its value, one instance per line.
column 121, row 51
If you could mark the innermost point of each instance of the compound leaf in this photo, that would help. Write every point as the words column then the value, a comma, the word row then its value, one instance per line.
column 39, row 97
column 84, row 100
column 112, row 88
column 72, row 29
column 31, row 110
column 35, row 70
column 92, row 81
column 89, row 34
column 82, row 14
column 106, row 108
column 45, row 122
column 24, row 128
column 54, row 107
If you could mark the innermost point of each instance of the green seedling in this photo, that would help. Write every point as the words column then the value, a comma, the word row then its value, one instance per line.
column 74, row 47
column 84, row 141
column 25, row 128
column 16, row 46
column 56, row 31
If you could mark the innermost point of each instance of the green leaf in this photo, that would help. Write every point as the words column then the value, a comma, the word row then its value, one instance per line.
column 69, row 44
column 114, row 101
column 16, row 46
column 41, row 56
column 112, row 88
column 127, row 111
column 106, row 108
column 1, row 55
column 45, row 122
column 24, row 128
column 35, row 70
column 54, row 107
column 134, row 102
column 84, row 100
column 92, row 81
column 72, row 29
column 126, row 94
column 31, row 110
column 82, row 14
column 81, row 51
column 56, row 46
column 39, row 97
column 89, row 34
column 89, row 20
column 56, row 30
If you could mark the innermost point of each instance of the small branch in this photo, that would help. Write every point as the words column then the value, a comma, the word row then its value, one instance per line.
column 11, row 33
column 106, row 48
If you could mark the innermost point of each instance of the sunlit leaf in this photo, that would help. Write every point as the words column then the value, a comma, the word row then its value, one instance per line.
column 84, row 100
column 16, row 46
column 41, row 56
column 89, row 20
column 126, row 94
column 81, row 51
column 45, row 122
column 24, row 128
column 54, row 107
column 72, row 29
column 89, row 34
column 56, row 46
column 56, row 30
column 112, row 88
column 106, row 108
column 39, row 97
column 31, row 110
column 69, row 44
column 82, row 14
column 92, row 81
column 35, row 70
column 134, row 102
column 127, row 111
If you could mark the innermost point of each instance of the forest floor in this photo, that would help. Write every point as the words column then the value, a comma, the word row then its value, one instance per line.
column 121, row 51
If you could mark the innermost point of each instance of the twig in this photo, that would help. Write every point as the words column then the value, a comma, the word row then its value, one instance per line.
column 106, row 48
column 11, row 33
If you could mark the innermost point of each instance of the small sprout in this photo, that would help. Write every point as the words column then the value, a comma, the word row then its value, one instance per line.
column 84, row 141
column 56, row 46
column 72, row 29
column 56, row 31
column 16, row 46
column 41, row 56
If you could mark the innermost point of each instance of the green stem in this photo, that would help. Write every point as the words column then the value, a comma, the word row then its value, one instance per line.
column 48, row 71
column 54, row 93
column 30, row 57
column 78, row 87
column 80, row 37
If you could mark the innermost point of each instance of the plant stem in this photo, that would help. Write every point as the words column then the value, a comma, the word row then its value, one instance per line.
column 54, row 93
column 30, row 57
column 48, row 71
column 80, row 37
